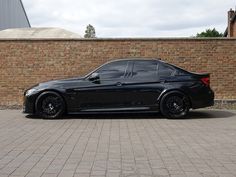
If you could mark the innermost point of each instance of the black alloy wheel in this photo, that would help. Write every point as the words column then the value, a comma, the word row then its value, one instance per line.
column 174, row 105
column 50, row 105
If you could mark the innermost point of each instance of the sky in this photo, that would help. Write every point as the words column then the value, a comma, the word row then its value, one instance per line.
column 131, row 18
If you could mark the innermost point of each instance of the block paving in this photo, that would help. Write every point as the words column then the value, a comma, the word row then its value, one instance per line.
column 143, row 145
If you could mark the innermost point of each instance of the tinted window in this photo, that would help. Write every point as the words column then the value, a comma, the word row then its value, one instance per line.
column 165, row 70
column 181, row 72
column 114, row 70
column 145, row 70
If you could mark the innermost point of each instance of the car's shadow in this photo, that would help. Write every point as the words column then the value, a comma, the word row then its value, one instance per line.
column 198, row 114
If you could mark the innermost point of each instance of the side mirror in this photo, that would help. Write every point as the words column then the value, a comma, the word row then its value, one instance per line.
column 94, row 77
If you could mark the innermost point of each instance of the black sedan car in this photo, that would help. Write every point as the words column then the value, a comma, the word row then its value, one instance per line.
column 126, row 85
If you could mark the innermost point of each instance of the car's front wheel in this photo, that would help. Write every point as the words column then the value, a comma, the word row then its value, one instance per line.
column 50, row 105
column 174, row 105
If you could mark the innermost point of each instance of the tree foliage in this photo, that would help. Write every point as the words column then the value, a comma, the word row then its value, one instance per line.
column 210, row 33
column 90, row 32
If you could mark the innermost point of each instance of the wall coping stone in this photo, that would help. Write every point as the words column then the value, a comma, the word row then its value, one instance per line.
column 122, row 39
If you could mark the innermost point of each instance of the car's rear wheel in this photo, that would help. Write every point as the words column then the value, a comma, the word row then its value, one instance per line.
column 174, row 105
column 50, row 105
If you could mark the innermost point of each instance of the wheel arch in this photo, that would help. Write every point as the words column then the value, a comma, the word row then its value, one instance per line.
column 173, row 90
column 48, row 91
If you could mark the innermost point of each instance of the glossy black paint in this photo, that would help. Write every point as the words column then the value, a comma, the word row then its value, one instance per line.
column 124, row 86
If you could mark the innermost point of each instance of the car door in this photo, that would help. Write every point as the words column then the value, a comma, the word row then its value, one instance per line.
column 106, row 91
column 143, row 84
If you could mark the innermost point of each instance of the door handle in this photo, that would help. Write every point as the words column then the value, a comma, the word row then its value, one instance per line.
column 118, row 84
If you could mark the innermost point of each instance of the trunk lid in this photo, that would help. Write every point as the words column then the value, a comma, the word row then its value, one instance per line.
column 203, row 77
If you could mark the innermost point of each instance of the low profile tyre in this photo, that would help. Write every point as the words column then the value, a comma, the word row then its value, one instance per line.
column 50, row 105
column 174, row 105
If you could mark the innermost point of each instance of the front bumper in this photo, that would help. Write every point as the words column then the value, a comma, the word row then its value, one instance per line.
column 28, row 105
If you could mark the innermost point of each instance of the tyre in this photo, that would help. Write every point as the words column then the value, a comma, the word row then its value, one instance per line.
column 50, row 105
column 174, row 105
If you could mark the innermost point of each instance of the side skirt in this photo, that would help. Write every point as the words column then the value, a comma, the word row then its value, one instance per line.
column 116, row 110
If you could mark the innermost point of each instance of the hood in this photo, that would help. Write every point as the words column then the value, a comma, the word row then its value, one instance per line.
column 61, row 82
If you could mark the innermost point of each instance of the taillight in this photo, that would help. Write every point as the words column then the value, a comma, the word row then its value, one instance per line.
column 206, row 81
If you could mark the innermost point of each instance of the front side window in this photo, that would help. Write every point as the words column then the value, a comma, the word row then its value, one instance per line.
column 144, row 70
column 114, row 70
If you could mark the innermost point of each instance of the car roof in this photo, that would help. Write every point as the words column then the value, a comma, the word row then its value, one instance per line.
column 145, row 59
column 135, row 59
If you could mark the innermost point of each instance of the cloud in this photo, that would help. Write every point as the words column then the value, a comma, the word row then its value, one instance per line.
column 131, row 18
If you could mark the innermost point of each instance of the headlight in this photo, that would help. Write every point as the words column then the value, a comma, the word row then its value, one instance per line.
column 30, row 92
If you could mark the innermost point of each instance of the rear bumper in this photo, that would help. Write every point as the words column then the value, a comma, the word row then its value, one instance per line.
column 203, row 104
column 203, row 99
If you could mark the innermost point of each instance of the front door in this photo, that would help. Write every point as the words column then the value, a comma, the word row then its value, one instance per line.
column 105, row 92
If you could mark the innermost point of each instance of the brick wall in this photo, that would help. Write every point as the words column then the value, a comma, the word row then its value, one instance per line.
column 24, row 63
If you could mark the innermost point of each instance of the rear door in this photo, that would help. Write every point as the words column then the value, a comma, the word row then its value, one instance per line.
column 143, row 84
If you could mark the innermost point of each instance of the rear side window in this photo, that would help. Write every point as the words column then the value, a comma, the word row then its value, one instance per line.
column 114, row 70
column 144, row 70
column 165, row 70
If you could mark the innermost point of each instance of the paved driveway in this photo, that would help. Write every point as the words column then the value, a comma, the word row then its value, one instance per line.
column 118, row 145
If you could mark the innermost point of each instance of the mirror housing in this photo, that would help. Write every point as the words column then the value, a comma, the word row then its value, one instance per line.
column 94, row 77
